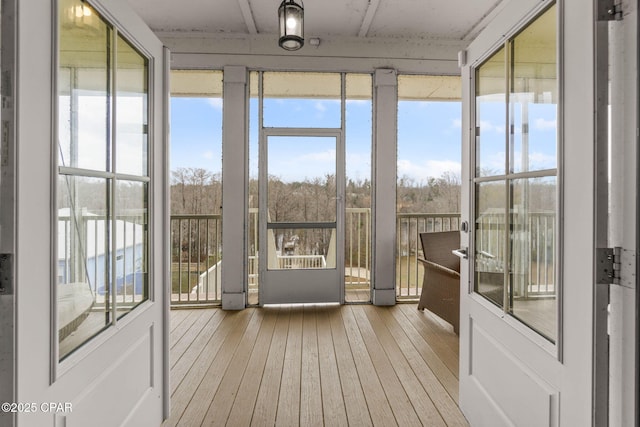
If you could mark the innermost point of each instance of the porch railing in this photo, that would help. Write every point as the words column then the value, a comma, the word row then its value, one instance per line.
column 408, row 249
column 196, row 259
column 197, row 253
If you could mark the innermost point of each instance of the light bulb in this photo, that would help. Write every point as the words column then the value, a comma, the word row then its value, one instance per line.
column 86, row 11
column 291, row 23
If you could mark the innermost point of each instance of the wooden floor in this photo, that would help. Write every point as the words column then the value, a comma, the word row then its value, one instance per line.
column 313, row 366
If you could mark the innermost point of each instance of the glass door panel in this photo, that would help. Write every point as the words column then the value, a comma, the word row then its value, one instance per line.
column 302, row 197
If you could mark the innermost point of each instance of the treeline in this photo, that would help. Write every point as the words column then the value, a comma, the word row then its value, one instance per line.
column 198, row 191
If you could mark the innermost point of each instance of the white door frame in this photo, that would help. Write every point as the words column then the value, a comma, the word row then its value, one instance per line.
column 615, row 388
column 7, row 207
column 301, row 285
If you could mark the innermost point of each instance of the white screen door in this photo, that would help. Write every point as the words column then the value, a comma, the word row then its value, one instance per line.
column 91, row 334
column 301, row 187
column 526, row 301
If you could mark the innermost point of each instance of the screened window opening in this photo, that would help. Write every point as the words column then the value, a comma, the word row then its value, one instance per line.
column 428, row 187
column 196, row 186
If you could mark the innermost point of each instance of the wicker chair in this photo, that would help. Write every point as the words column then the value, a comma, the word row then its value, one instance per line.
column 441, row 282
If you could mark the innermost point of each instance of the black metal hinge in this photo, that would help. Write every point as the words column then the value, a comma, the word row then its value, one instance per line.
column 6, row 274
column 609, row 10
column 608, row 263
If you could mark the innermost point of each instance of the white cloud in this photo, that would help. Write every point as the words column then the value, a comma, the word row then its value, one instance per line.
column 542, row 124
column 320, row 156
column 215, row 103
column 487, row 126
column 542, row 161
column 358, row 101
column 208, row 155
column 421, row 172
column 456, row 123
column 320, row 106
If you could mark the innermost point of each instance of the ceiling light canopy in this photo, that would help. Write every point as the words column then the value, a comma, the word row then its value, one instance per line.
column 291, row 17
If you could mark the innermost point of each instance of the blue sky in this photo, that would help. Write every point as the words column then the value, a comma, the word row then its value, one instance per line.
column 428, row 136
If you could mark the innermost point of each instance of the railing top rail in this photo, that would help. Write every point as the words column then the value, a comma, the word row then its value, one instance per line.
column 196, row 216
column 428, row 215
column 301, row 256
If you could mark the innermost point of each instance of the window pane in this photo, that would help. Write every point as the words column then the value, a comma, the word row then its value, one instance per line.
column 358, row 136
column 490, row 241
column 302, row 179
column 491, row 116
column 533, row 97
column 83, row 260
column 533, row 241
column 307, row 248
column 132, row 281
column 302, row 100
column 83, row 82
column 131, row 111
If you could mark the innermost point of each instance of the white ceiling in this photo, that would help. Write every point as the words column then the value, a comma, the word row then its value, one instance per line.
column 456, row 20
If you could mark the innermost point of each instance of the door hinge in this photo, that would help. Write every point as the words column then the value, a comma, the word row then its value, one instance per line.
column 6, row 274
column 608, row 10
column 608, row 265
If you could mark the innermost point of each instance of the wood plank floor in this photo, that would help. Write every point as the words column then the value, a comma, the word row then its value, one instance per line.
column 313, row 365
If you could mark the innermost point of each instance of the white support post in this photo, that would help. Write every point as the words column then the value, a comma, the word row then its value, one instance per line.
column 235, row 149
column 384, row 194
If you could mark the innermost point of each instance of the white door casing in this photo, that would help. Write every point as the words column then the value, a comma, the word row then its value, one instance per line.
column 620, row 177
column 509, row 374
column 116, row 378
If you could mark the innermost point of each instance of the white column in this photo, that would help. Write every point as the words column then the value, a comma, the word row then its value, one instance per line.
column 385, row 101
column 235, row 149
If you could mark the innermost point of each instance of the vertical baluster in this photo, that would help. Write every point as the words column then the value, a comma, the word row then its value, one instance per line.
column 218, row 257
column 367, row 246
column 134, row 261
column 189, row 259
column 206, row 257
column 198, row 259
column 353, row 246
column 179, row 259
column 398, row 257
column 95, row 258
column 538, row 283
column 546, row 267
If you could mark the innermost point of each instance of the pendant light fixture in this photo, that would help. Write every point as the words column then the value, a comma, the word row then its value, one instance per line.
column 291, row 17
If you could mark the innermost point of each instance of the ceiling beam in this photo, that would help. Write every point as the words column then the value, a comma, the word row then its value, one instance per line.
column 368, row 17
column 247, row 14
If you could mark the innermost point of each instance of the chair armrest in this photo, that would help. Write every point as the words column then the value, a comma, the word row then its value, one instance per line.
column 439, row 267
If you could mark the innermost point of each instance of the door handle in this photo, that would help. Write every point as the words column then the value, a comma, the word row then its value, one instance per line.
column 462, row 253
